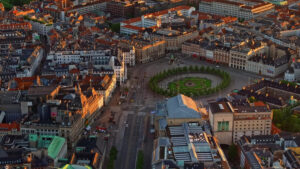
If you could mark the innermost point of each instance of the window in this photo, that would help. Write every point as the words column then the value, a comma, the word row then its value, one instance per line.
column 223, row 126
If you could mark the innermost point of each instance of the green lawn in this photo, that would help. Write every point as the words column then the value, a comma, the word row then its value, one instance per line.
column 198, row 84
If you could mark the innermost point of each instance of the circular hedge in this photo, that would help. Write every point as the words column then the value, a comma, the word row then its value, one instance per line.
column 153, row 83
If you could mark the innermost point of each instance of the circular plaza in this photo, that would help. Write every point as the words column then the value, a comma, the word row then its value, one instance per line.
column 191, row 81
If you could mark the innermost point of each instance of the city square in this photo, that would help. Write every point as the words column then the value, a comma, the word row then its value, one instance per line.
column 152, row 84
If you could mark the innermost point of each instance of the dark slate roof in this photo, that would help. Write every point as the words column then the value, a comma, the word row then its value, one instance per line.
column 193, row 166
column 290, row 156
column 219, row 107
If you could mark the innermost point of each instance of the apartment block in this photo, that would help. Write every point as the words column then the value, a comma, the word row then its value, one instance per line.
column 120, row 8
column 232, row 119
column 247, row 9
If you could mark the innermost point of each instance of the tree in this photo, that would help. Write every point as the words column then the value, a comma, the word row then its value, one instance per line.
column 185, row 69
column 201, row 69
column 191, row 68
column 140, row 160
column 115, row 27
column 233, row 153
column 112, row 157
column 113, row 153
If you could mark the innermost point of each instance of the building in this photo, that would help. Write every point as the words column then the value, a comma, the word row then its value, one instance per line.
column 56, row 146
column 120, row 69
column 154, row 20
column 87, row 153
column 64, row 114
column 123, row 9
column 13, row 40
column 293, row 73
column 275, row 94
column 239, row 55
column 13, row 158
column 128, row 54
column 21, row 63
column 33, row 62
column 189, row 144
column 291, row 158
column 93, row 59
column 84, row 8
column 240, row 9
column 193, row 47
column 176, row 111
column 258, row 121
column 16, row 26
column 41, row 23
column 41, row 28
column 237, row 118
column 75, row 166
column 289, row 75
column 221, row 121
column 104, row 85
column 175, row 38
column 149, row 50
column 202, row 48
column 262, row 151
column 221, row 55
column 272, row 62
column 267, row 66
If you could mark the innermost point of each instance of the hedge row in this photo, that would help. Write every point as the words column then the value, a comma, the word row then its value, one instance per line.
column 154, row 81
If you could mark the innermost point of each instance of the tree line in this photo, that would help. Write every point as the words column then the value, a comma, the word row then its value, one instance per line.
column 286, row 119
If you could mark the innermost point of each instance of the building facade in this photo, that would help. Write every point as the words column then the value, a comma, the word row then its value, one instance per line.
column 146, row 51
column 230, row 120
column 238, row 9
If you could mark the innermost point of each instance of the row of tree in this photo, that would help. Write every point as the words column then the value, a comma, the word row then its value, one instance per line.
column 112, row 157
column 154, row 81
column 140, row 160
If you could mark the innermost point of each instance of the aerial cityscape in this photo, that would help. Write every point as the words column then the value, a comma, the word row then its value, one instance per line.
column 149, row 84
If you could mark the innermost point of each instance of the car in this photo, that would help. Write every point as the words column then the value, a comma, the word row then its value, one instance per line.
column 217, row 66
column 101, row 128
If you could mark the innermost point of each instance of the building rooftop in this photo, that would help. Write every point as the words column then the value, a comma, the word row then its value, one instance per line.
column 75, row 166
column 56, row 146
column 220, row 107
column 182, row 106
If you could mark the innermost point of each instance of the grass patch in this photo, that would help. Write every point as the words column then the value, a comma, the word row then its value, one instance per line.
column 196, row 84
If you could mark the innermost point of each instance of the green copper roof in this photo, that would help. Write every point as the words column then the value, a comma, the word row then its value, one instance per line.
column 44, row 141
column 55, row 146
column 33, row 137
column 74, row 166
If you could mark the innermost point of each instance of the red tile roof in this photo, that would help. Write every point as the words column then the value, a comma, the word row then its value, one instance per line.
column 163, row 12
column 133, row 27
column 74, row 71
column 9, row 127
column 129, row 21
column 259, row 103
